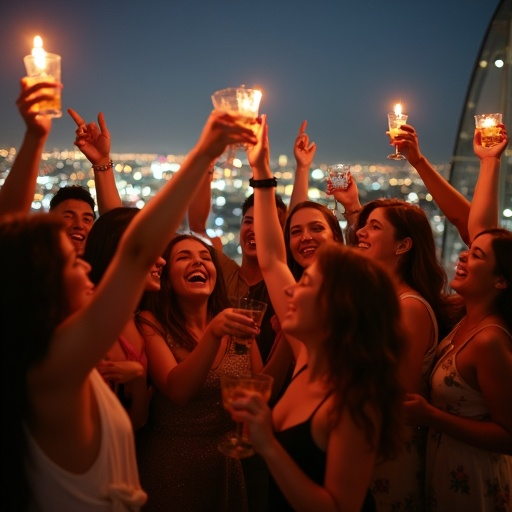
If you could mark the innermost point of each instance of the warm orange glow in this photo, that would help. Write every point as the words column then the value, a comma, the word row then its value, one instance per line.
column 38, row 53
column 398, row 109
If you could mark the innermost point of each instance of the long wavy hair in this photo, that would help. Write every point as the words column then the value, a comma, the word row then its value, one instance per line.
column 32, row 304
column 165, row 306
column 104, row 238
column 419, row 266
column 331, row 220
column 502, row 247
column 365, row 344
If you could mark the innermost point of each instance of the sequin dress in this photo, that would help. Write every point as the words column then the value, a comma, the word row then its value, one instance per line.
column 460, row 476
column 179, row 462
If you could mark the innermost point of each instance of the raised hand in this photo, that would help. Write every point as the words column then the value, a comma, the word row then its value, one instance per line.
column 37, row 125
column 258, row 154
column 493, row 151
column 92, row 139
column 303, row 150
column 221, row 130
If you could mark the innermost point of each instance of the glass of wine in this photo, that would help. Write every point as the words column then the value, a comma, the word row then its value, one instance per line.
column 339, row 178
column 238, row 101
column 252, row 308
column 395, row 120
column 236, row 444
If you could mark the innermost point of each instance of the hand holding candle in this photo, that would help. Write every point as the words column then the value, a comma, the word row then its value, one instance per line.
column 488, row 125
column 395, row 120
column 42, row 66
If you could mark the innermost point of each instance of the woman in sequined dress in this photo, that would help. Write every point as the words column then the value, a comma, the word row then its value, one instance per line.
column 187, row 327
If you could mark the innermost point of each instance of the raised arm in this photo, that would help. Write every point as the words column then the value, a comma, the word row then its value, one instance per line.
column 17, row 193
column 484, row 206
column 304, row 152
column 200, row 207
column 93, row 140
column 270, row 245
column 118, row 294
column 451, row 202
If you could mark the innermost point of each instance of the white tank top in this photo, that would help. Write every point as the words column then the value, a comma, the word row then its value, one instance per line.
column 110, row 484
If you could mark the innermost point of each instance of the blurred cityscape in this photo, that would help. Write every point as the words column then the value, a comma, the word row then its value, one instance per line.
column 140, row 176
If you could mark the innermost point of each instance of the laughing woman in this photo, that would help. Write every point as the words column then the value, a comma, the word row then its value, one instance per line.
column 187, row 328
column 469, row 451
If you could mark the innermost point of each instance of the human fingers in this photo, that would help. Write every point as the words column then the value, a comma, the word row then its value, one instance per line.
column 102, row 124
column 303, row 126
column 76, row 117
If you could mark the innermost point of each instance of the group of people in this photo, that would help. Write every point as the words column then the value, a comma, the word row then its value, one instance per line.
column 390, row 391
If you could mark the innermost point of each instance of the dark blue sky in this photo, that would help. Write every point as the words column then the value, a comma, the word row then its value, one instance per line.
column 151, row 67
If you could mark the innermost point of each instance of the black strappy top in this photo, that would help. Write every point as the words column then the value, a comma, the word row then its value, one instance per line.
column 301, row 447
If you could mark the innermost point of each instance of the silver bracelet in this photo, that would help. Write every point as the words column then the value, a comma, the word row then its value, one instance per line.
column 105, row 167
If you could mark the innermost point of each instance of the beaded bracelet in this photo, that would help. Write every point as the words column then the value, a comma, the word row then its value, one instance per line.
column 268, row 183
column 106, row 167
column 350, row 212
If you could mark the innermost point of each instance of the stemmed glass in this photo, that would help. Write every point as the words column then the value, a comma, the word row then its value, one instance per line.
column 236, row 444
column 338, row 176
column 238, row 101
column 252, row 308
column 395, row 120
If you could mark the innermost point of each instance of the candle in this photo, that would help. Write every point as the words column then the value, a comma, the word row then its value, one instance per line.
column 487, row 125
column 42, row 66
column 398, row 110
column 39, row 54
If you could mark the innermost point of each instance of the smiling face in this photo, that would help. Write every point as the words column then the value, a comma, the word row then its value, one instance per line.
column 247, row 239
column 77, row 285
column 191, row 270
column 304, row 316
column 475, row 274
column 78, row 218
column 376, row 239
column 308, row 231
column 153, row 282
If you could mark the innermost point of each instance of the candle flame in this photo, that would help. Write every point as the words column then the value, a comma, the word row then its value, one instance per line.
column 398, row 109
column 488, row 122
column 38, row 53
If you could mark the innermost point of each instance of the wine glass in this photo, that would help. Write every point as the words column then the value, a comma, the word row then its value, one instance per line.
column 241, row 102
column 236, row 444
column 395, row 120
column 339, row 178
column 254, row 309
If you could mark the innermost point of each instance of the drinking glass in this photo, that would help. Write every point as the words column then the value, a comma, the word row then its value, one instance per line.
column 45, row 67
column 395, row 121
column 236, row 444
column 339, row 179
column 487, row 125
column 254, row 309
column 238, row 101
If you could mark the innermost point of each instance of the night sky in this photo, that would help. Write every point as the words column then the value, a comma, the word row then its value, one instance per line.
column 151, row 67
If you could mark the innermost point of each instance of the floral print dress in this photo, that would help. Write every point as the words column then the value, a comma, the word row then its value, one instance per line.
column 461, row 477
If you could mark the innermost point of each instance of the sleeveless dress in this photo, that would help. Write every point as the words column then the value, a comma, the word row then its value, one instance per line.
column 460, row 476
column 111, row 484
column 398, row 484
column 179, row 461
column 301, row 447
